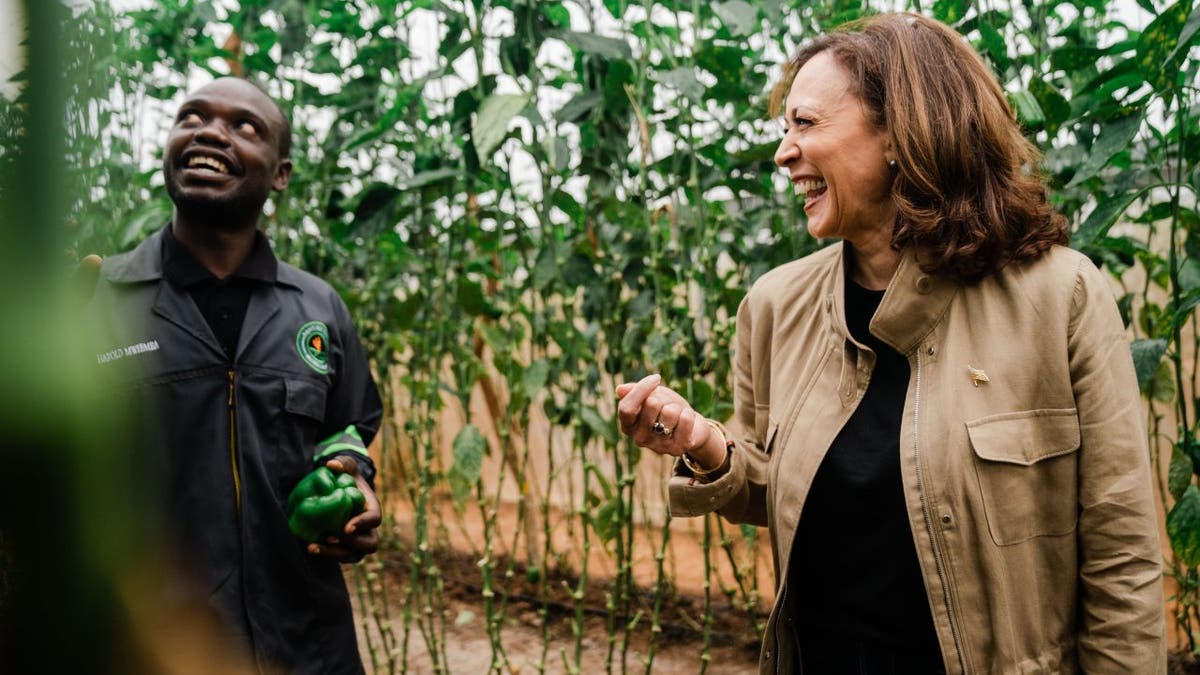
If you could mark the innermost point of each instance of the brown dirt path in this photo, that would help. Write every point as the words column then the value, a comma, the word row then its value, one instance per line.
column 733, row 647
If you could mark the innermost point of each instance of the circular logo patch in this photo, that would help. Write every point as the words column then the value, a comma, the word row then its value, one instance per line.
column 312, row 341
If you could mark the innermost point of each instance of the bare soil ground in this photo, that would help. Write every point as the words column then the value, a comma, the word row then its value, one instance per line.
column 526, row 639
column 468, row 649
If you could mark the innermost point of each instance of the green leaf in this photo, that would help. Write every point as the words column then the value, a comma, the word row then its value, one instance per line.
column 401, row 314
column 1189, row 275
column 555, row 13
column 1098, row 222
column 534, row 378
column 1115, row 136
column 658, row 349
column 996, row 45
column 739, row 17
column 469, row 295
column 1028, row 109
column 684, row 80
column 1183, row 527
column 613, row 7
column 1179, row 475
column 949, row 11
column 1054, row 105
column 1162, row 387
column 701, row 397
column 374, row 198
column 1187, row 305
column 1125, row 307
column 545, row 269
column 1072, row 57
column 1157, row 57
column 582, row 104
column 606, row 429
column 497, row 339
column 426, row 178
column 558, row 152
column 468, row 449
column 1095, row 99
column 616, row 99
column 1146, row 356
column 598, row 45
column 641, row 307
column 597, row 475
column 491, row 122
column 607, row 521
column 143, row 223
column 579, row 271
column 1190, row 30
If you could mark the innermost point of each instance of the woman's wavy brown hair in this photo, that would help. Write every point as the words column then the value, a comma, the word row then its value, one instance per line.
column 966, row 191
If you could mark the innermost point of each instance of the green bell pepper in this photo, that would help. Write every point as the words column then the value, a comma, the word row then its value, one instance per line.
column 321, row 504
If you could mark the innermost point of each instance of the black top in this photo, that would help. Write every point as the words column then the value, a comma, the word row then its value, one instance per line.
column 853, row 569
column 223, row 302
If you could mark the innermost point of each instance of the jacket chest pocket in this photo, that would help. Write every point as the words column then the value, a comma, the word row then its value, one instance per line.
column 1026, row 463
column 305, row 398
column 302, row 419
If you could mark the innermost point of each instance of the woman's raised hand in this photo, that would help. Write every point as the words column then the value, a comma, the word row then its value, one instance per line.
column 659, row 419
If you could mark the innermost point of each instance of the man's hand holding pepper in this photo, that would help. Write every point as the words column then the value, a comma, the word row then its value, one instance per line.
column 361, row 534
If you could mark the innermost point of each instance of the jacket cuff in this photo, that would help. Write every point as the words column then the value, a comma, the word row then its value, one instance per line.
column 366, row 467
column 690, row 497
column 346, row 440
column 347, row 443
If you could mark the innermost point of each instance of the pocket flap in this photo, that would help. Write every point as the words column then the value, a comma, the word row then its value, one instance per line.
column 1025, row 437
column 305, row 398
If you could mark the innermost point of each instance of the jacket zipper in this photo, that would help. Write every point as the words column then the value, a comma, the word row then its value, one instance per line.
column 937, row 553
column 233, row 463
column 237, row 490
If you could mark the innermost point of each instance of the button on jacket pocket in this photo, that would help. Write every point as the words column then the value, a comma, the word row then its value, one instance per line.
column 1026, row 464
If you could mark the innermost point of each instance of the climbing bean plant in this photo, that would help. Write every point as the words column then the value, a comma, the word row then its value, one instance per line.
column 524, row 203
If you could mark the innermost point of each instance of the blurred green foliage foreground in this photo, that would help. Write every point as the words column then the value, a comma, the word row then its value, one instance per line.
column 524, row 203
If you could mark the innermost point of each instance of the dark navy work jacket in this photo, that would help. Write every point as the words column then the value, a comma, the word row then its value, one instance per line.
column 233, row 437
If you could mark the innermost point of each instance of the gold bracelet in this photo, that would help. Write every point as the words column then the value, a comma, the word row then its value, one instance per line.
column 694, row 466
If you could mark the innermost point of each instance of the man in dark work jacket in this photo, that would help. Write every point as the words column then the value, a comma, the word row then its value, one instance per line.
column 255, row 376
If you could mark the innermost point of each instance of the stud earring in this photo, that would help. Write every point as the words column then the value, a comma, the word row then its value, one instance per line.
column 892, row 164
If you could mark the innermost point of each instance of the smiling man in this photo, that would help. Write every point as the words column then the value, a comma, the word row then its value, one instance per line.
column 255, row 375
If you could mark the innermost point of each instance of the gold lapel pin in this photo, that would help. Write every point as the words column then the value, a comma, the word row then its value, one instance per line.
column 977, row 375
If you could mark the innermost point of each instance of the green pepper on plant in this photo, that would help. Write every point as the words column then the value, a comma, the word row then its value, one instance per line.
column 321, row 504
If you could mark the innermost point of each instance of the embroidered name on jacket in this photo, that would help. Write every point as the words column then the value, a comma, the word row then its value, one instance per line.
column 131, row 350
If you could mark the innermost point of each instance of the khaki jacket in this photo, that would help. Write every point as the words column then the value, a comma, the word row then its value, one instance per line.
column 1029, row 494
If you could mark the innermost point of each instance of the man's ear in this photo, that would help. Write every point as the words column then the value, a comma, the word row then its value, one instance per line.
column 283, row 174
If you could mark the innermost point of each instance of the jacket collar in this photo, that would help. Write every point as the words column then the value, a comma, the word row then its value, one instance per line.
column 912, row 307
column 182, row 268
column 145, row 263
